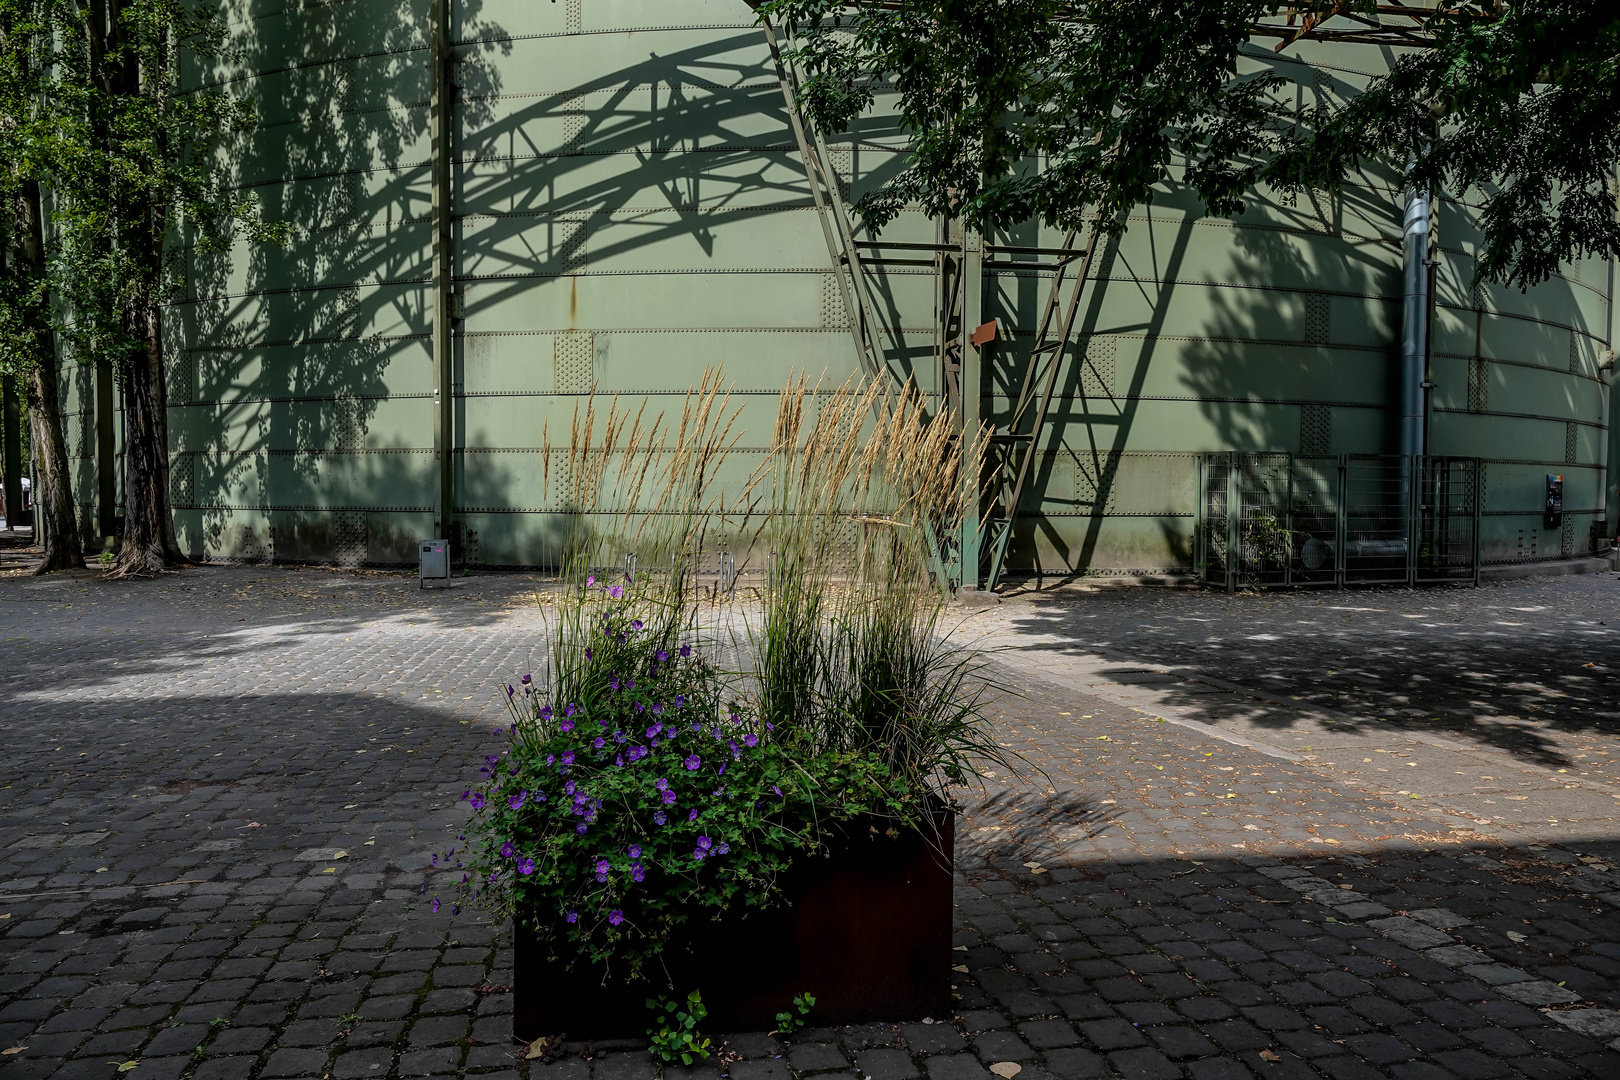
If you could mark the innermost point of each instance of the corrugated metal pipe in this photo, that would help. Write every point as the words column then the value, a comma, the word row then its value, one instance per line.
column 1415, row 321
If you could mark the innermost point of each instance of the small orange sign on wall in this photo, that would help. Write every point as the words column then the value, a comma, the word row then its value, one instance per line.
column 985, row 333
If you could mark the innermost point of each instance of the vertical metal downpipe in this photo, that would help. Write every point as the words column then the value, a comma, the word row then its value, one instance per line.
column 1414, row 322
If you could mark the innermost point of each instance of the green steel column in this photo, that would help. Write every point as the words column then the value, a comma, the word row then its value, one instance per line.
column 12, row 455
column 106, row 461
column 971, row 389
column 443, row 402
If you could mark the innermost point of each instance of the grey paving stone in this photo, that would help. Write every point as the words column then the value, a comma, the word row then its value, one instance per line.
column 885, row 1064
column 955, row 1067
column 291, row 1062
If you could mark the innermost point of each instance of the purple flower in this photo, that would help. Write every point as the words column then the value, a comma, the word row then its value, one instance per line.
column 636, row 872
column 590, row 654
column 693, row 762
column 699, row 854
column 658, row 817
column 516, row 801
column 569, row 788
column 525, row 865
column 572, row 916
column 601, row 870
column 618, row 760
column 565, row 727
column 652, row 732
column 435, row 905
column 526, row 680
column 551, row 759
column 661, row 656
column 570, row 709
column 618, row 736
column 477, row 800
column 722, row 771
column 750, row 739
column 493, row 874
column 615, row 592
column 613, row 682
column 723, row 848
column 589, row 581
column 776, row 789
column 545, row 712
column 465, row 795
column 661, row 784
column 680, row 700
column 568, row 757
column 658, row 708
column 668, row 797
column 507, row 849
column 635, row 624
column 704, row 843
column 615, row 916
column 692, row 816
column 580, row 828
column 509, row 692
column 686, row 650
column 598, row 742
column 635, row 851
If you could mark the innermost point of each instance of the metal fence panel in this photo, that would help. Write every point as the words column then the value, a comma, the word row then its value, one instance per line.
column 1276, row 519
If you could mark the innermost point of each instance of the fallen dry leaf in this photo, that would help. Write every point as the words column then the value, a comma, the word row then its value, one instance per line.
column 1006, row 1069
column 128, row 1065
column 1270, row 1055
column 13, row 1050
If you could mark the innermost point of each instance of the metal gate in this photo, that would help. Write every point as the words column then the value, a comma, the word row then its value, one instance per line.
column 1276, row 519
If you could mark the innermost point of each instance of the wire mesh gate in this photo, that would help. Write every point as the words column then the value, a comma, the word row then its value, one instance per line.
column 1274, row 519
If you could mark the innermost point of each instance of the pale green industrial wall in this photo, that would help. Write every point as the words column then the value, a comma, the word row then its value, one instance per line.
column 630, row 210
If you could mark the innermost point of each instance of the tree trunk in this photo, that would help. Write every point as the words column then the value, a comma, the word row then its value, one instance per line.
column 54, row 523
column 149, row 540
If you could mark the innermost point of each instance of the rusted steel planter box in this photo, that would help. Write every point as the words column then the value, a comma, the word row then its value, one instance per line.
column 866, row 929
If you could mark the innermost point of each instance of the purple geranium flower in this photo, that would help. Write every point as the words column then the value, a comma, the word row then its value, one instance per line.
column 565, row 727
column 723, row 848
column 661, row 784
column 435, row 905
column 613, row 682
column 477, row 800
column 680, row 700
column 635, row 851
column 572, row 916
column 599, row 742
column 750, row 739
column 510, row 690
column 507, row 849
column 636, row 872
column 658, row 817
column 692, row 816
column 704, row 843
column 635, row 624
column 570, row 709
column 699, row 854
column 526, row 680
column 615, row 592
column 568, row 757
column 661, row 656
column 668, row 797
column 686, row 650
column 658, row 708
column 693, row 762
column 580, row 828
column 615, row 916
column 525, row 865
column 516, row 801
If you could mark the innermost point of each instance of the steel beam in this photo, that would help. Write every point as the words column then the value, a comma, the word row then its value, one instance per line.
column 439, row 118
column 972, row 393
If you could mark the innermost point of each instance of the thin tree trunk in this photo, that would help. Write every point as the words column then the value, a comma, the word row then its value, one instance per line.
column 54, row 520
column 149, row 540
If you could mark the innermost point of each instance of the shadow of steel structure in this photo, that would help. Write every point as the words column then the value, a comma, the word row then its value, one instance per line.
column 503, row 205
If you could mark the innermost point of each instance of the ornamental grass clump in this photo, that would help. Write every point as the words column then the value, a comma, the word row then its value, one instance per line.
column 671, row 759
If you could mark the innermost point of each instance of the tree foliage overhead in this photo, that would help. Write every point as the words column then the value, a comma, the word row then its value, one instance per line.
column 1056, row 109
column 1519, row 109
column 1103, row 94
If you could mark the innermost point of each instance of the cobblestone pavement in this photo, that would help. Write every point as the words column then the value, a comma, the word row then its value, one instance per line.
column 219, row 789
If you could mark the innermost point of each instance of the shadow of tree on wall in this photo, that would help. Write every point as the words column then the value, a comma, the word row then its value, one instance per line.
column 309, row 368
